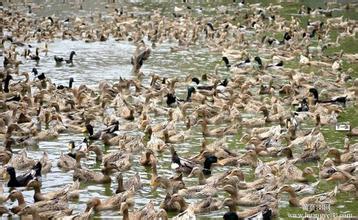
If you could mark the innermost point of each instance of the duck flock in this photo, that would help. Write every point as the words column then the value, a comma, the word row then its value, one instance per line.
column 256, row 118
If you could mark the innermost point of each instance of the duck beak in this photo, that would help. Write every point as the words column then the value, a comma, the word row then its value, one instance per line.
column 5, row 176
column 154, row 185
column 69, row 147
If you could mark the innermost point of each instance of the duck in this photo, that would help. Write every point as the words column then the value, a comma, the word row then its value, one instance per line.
column 147, row 157
column 68, row 192
column 6, row 152
column 147, row 212
column 21, row 161
column 97, row 151
column 42, row 206
column 89, row 176
column 178, row 204
column 308, row 155
column 59, row 60
column 122, row 160
column 339, row 158
column 310, row 201
column 342, row 100
column 250, row 197
column 67, row 163
column 171, row 185
column 47, row 214
column 292, row 172
column 261, row 212
column 112, row 203
column 133, row 182
column 46, row 163
column 23, row 180
column 181, row 164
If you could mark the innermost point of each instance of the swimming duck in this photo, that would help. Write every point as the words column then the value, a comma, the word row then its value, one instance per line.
column 147, row 157
column 337, row 100
column 132, row 182
column 68, row 192
column 46, row 163
column 59, row 60
column 67, row 163
column 308, row 155
column 147, row 212
column 42, row 206
column 260, row 212
column 312, row 201
column 23, row 180
column 177, row 204
column 6, row 152
column 122, row 160
column 89, row 176
column 181, row 164
column 22, row 161
column 112, row 203
column 339, row 157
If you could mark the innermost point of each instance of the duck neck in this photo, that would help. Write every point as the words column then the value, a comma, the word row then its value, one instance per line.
column 125, row 214
column 234, row 195
column 154, row 170
column 204, row 127
column 37, row 190
column 166, row 137
column 6, row 84
column 166, row 184
column 337, row 156
column 70, row 84
column 99, row 154
column 78, row 161
column 202, row 179
column 71, row 56
column 21, row 200
column 293, row 198
column 13, row 179
column 289, row 154
column 120, row 187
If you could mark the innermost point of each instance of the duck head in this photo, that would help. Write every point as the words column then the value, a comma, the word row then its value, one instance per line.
column 15, row 195
column 70, row 82
column 37, row 168
column 89, row 129
column 314, row 92
column 171, row 99
column 34, row 183
column 93, row 203
column 72, row 54
column 207, row 164
column 231, row 216
column 108, row 167
column 11, row 172
column 259, row 61
column 71, row 145
column 195, row 80
column 286, row 152
column 226, row 61
column 191, row 90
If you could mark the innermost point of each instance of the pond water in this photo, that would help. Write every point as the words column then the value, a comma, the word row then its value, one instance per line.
column 110, row 60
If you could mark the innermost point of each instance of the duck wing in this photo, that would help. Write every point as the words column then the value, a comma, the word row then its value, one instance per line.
column 58, row 59
column 24, row 179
